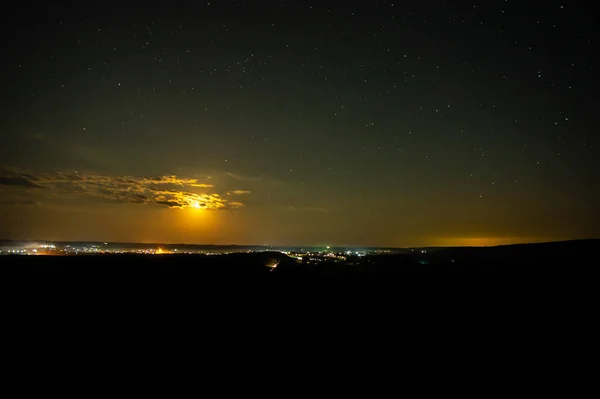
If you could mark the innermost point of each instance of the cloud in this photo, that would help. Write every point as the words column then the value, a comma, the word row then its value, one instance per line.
column 17, row 181
column 237, row 177
column 262, row 179
column 170, row 191
column 201, row 185
column 239, row 192
column 175, row 180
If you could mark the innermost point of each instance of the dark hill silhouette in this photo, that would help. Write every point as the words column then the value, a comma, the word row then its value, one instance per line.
column 236, row 263
column 523, row 258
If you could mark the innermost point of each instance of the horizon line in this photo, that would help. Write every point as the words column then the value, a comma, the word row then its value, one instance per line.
column 301, row 246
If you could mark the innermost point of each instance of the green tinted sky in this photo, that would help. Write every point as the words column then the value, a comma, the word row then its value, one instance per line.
column 387, row 124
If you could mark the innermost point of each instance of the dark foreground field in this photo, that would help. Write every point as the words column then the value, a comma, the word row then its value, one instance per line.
column 547, row 257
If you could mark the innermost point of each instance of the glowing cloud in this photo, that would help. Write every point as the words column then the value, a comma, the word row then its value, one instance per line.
column 161, row 190
column 239, row 192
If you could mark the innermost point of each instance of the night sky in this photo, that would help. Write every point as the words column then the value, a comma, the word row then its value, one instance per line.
column 366, row 123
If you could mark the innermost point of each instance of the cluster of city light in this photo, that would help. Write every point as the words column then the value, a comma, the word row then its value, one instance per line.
column 162, row 251
column 357, row 253
column 324, row 255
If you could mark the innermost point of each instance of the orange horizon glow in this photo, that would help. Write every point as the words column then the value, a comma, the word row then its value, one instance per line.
column 486, row 241
column 162, row 251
